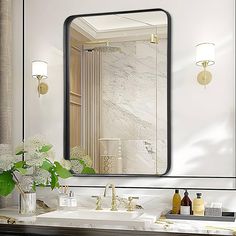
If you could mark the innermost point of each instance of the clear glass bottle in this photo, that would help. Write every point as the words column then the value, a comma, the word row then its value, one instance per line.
column 72, row 201
column 62, row 201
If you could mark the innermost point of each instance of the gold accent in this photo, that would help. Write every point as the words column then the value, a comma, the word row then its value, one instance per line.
column 204, row 77
column 113, row 201
column 98, row 203
column 42, row 88
column 154, row 38
column 130, row 205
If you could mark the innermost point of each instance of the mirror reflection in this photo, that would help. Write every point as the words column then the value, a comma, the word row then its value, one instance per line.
column 119, row 94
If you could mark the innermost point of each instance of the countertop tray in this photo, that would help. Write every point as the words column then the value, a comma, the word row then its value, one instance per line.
column 226, row 216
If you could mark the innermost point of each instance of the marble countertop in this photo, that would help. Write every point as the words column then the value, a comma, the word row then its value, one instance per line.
column 160, row 225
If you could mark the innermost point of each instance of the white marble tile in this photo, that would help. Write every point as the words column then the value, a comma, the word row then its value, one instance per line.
column 133, row 103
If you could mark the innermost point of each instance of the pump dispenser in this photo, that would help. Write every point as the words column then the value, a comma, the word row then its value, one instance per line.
column 198, row 205
column 186, row 204
column 176, row 202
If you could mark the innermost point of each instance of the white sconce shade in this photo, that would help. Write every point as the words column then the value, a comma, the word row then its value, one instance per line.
column 40, row 69
column 205, row 53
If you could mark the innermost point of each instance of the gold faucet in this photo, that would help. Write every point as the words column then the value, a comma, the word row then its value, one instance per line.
column 98, row 202
column 113, row 201
column 130, row 206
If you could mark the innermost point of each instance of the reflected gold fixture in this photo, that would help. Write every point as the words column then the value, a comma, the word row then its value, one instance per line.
column 154, row 38
column 113, row 201
column 205, row 56
column 40, row 72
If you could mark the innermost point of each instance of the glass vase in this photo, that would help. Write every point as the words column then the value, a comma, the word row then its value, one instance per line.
column 28, row 203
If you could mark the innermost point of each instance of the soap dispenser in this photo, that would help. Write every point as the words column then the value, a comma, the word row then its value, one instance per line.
column 198, row 205
column 176, row 202
column 186, row 205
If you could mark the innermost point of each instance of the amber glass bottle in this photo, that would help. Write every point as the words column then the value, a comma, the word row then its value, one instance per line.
column 186, row 205
column 176, row 202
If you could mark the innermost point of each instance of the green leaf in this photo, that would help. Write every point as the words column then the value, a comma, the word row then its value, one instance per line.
column 7, row 184
column 19, row 164
column 48, row 166
column 82, row 163
column 22, row 171
column 54, row 180
column 21, row 152
column 88, row 170
column 45, row 148
column 20, row 167
column 61, row 171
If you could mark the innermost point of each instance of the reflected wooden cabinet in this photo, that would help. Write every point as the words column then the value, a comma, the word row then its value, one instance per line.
column 75, row 90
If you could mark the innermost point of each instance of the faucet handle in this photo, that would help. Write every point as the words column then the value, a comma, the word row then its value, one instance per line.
column 130, row 205
column 98, row 202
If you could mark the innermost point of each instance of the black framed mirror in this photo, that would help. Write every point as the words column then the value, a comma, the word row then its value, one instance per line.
column 117, row 83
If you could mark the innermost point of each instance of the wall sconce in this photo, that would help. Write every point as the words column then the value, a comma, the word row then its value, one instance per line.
column 40, row 72
column 205, row 56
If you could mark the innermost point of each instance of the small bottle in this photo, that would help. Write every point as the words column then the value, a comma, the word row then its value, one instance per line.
column 176, row 202
column 186, row 205
column 72, row 201
column 198, row 205
column 62, row 201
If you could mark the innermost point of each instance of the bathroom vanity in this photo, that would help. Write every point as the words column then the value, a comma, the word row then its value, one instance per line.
column 89, row 222
column 53, row 230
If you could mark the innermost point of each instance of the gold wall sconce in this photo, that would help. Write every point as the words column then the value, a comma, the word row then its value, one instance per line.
column 40, row 72
column 205, row 56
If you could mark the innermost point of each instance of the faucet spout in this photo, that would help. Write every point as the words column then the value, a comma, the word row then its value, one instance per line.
column 113, row 201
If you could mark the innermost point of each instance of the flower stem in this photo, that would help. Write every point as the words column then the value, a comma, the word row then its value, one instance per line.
column 19, row 186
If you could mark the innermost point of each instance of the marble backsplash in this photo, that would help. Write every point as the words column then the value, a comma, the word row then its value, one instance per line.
column 133, row 103
column 150, row 200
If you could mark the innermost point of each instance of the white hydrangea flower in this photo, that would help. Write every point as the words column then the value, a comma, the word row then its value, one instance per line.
column 34, row 144
column 32, row 147
column 41, row 176
column 66, row 164
column 77, row 167
column 7, row 159
column 78, row 153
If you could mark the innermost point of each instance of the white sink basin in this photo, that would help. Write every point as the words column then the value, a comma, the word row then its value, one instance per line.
column 93, row 218
column 106, row 215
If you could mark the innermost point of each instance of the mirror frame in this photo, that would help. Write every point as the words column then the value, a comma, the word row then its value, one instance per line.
column 66, row 64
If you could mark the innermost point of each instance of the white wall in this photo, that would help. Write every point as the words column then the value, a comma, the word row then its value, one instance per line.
column 202, row 119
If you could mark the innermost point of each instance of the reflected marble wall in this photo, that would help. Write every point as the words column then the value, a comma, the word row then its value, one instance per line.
column 133, row 103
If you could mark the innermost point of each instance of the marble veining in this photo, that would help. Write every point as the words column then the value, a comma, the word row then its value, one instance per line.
column 134, row 101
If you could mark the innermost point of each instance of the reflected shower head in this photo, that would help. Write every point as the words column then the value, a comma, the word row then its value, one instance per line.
column 107, row 48
column 103, row 48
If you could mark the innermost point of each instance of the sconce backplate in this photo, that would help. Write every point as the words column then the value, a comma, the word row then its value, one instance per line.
column 204, row 77
column 42, row 88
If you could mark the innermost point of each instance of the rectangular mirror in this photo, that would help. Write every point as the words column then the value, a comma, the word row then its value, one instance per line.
column 117, row 93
